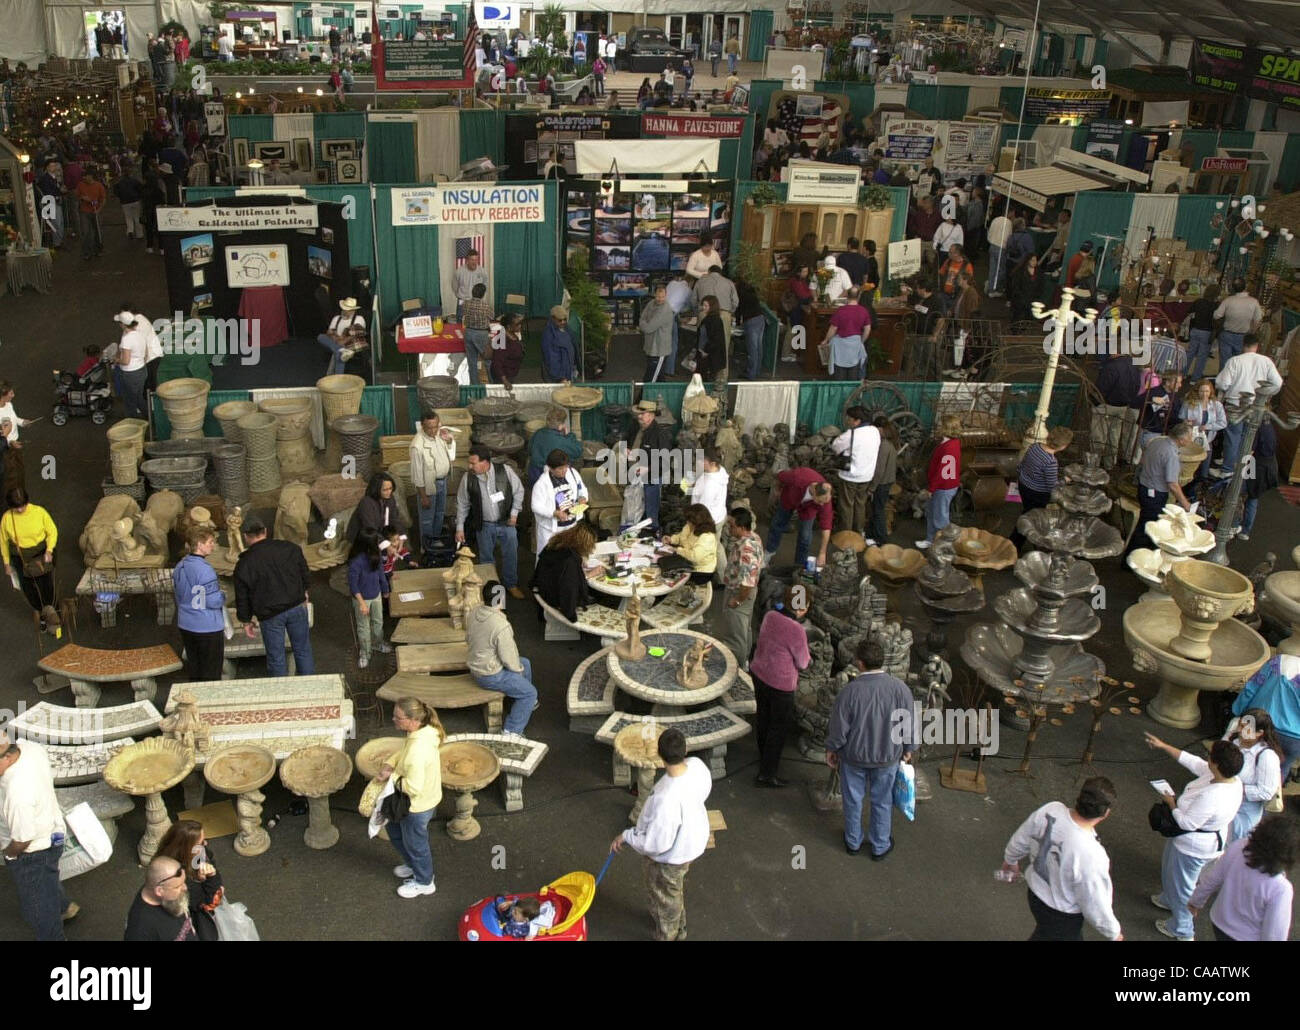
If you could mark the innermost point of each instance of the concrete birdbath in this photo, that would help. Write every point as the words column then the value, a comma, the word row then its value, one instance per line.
column 467, row 767
column 576, row 400
column 242, row 770
column 896, row 565
column 979, row 549
column 372, row 755
column 1206, row 594
column 146, row 770
column 638, row 746
column 1283, row 590
column 315, row 773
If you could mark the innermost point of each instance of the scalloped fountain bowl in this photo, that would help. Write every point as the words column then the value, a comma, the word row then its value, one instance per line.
column 1150, row 567
column 1034, row 570
column 980, row 549
column 1055, row 529
column 1017, row 608
column 1087, row 472
column 991, row 650
column 1183, row 541
column 896, row 564
column 1082, row 499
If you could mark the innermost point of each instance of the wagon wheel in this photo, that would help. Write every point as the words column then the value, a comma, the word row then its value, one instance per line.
column 876, row 396
column 911, row 435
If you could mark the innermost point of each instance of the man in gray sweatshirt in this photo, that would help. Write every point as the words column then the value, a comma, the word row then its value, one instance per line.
column 866, row 740
column 494, row 659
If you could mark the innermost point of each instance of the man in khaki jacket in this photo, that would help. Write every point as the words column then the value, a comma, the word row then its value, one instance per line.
column 433, row 449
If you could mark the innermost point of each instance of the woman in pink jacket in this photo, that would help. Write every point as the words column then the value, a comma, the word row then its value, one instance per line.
column 779, row 656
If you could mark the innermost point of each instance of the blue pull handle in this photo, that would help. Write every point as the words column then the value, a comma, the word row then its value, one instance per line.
column 603, row 869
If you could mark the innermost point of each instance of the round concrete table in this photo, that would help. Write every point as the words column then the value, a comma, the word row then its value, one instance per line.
column 655, row 679
column 242, row 770
column 315, row 773
column 467, row 767
column 646, row 587
column 145, row 770
column 638, row 746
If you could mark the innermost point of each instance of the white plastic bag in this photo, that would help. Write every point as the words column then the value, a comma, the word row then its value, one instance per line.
column 87, row 844
column 377, row 819
column 234, row 923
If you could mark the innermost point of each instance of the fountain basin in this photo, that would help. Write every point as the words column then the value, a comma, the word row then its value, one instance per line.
column 1179, row 540
column 991, row 650
column 149, row 767
column 1024, row 613
column 895, row 563
column 1055, row 529
column 1283, row 592
column 1082, row 499
column 1236, row 653
column 980, row 549
column 1207, row 594
column 1034, row 570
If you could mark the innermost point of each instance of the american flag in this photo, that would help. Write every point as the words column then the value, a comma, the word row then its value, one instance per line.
column 464, row 245
column 471, row 47
column 808, row 129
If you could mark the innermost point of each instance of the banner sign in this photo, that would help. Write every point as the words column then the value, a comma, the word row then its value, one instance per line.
column 214, row 113
column 1224, row 164
column 653, row 185
column 496, row 16
column 572, row 123
column 1042, row 103
column 904, row 258
column 1259, row 74
column 822, row 184
column 421, row 63
column 969, row 148
column 257, row 266
column 1104, row 138
column 698, row 126
column 456, row 204
column 907, row 139
column 233, row 219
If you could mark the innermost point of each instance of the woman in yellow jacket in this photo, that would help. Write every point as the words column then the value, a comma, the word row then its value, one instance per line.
column 698, row 543
column 28, row 536
column 418, row 768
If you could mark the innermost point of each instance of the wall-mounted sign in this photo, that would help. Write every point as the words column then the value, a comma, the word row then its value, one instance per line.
column 1042, row 103
column 652, row 185
column 422, row 63
column 698, row 126
column 822, row 184
column 494, row 16
column 257, row 266
column 1104, row 138
column 464, row 204
column 187, row 219
column 214, row 113
column 909, row 139
column 572, row 123
column 1224, row 164
column 1259, row 74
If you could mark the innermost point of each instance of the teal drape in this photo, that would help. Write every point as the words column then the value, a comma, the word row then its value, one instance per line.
column 482, row 133
column 760, row 27
column 1010, row 98
column 1237, row 140
column 530, row 265
column 408, row 260
column 942, row 102
column 1099, row 212
column 256, row 128
column 390, row 150
column 1289, row 174
column 594, row 423
column 760, row 97
column 862, row 98
column 1202, row 141
column 820, row 402
column 923, row 100
column 669, row 395
column 1192, row 221
column 375, row 400
column 339, row 125
column 458, row 12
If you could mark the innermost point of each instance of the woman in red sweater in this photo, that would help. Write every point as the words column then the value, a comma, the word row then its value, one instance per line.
column 779, row 655
column 944, row 477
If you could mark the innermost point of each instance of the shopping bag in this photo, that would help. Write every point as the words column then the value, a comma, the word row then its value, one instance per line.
column 905, row 790
column 377, row 818
column 87, row 844
column 234, row 923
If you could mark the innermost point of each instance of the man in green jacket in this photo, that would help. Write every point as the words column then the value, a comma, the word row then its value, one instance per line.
column 554, row 436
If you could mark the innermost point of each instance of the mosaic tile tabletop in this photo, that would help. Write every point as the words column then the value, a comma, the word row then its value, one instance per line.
column 655, row 679
column 92, row 663
column 55, row 724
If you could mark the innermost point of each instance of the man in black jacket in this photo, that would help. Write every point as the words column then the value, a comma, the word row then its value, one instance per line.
column 1114, row 420
column 656, row 463
column 271, row 581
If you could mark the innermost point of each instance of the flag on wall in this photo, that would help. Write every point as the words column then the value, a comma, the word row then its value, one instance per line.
column 464, row 245
column 471, row 47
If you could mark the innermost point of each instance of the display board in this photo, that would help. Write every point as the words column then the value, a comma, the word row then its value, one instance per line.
column 639, row 238
column 533, row 140
column 257, row 266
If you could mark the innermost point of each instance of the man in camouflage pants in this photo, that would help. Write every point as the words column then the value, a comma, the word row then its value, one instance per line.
column 671, row 833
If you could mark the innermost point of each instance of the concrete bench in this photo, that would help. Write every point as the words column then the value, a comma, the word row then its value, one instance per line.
column 455, row 691
column 240, row 646
column 426, row 631
column 519, row 758
column 451, row 657
column 88, row 667
column 57, row 724
column 710, row 731
column 82, row 763
column 108, row 804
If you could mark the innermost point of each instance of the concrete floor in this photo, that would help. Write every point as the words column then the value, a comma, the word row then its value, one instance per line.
column 778, row 871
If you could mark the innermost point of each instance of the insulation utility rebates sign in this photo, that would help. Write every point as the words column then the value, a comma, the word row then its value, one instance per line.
column 468, row 204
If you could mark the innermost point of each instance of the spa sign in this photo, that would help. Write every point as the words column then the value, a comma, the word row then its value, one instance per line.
column 456, row 204
column 225, row 219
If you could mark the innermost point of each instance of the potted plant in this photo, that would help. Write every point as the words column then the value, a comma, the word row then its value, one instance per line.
column 585, row 301
column 762, row 195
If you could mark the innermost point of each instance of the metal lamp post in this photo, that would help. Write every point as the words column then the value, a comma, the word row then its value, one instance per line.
column 1254, row 409
column 1061, row 317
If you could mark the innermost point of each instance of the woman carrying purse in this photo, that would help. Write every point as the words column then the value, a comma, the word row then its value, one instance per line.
column 28, row 537
column 417, row 768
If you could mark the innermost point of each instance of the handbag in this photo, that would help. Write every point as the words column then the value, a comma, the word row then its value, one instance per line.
column 234, row 923
column 1161, row 818
column 397, row 805
column 86, row 844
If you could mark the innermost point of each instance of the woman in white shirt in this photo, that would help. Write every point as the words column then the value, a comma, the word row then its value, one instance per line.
column 7, row 412
column 710, row 486
column 1204, row 811
column 1261, row 772
column 1206, row 417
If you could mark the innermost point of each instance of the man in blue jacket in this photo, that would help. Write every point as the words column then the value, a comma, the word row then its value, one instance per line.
column 200, row 608
column 558, row 359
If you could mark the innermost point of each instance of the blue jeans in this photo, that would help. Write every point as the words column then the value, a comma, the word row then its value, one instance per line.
column 431, row 518
column 518, row 685
column 859, row 781
column 754, row 345
column 294, row 621
column 1178, row 876
column 134, row 385
column 1232, row 437
column 994, row 282
column 332, row 345
column 670, row 366
column 411, row 839
column 936, row 511
column 1229, row 344
column 652, row 494
column 1198, row 352
column 477, row 344
column 1246, row 819
column 491, row 534
column 1290, row 752
column 1248, row 519
column 731, row 63
column 803, row 542
column 40, row 895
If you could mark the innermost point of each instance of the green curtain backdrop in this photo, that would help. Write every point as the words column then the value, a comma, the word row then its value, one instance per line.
column 1289, row 174
column 862, row 98
column 407, row 257
column 526, row 260
column 390, row 150
column 482, row 133
column 1099, row 212
column 1010, row 99
column 338, row 125
column 256, row 128
column 760, row 27
column 760, row 97
column 1192, row 221
column 944, row 102
column 669, row 395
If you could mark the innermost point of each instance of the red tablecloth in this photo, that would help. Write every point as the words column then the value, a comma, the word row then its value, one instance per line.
column 266, row 304
column 1174, row 310
column 451, row 341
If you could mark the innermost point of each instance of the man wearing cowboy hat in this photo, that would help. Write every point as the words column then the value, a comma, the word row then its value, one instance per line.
column 345, row 335
column 558, row 358
column 653, row 440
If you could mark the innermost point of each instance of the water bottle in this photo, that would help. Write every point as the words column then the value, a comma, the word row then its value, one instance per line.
column 1006, row 875
column 810, row 565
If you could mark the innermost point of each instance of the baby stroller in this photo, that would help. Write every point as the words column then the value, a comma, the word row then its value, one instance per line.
column 78, row 396
column 570, row 897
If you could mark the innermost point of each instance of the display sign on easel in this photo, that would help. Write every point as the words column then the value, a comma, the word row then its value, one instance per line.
column 904, row 259
column 417, row 327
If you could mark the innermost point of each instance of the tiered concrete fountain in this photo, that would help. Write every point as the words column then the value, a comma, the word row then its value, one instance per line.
column 945, row 592
column 1070, row 523
column 1177, row 537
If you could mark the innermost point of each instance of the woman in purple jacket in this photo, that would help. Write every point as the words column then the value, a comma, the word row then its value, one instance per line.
column 780, row 654
column 200, row 608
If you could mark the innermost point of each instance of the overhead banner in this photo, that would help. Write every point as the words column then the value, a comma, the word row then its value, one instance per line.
column 422, row 63
column 697, row 126
column 572, row 123
column 969, row 148
column 1044, row 103
column 608, row 157
column 822, row 184
column 910, row 139
column 1104, row 138
column 187, row 219
column 1259, row 74
column 495, row 17
column 454, row 204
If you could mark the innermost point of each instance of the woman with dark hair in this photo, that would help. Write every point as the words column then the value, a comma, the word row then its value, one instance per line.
column 367, row 586
column 28, row 537
column 698, row 543
column 378, row 508
column 507, row 359
column 1203, row 811
column 1261, row 774
column 1023, row 289
column 779, row 656
column 186, row 842
column 1254, row 894
column 645, row 94
column 711, row 341
column 559, row 578
column 798, row 295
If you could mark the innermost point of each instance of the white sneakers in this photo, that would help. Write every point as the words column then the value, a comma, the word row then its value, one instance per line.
column 403, row 872
column 363, row 661
column 411, row 889
column 921, row 545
